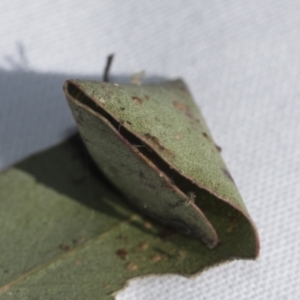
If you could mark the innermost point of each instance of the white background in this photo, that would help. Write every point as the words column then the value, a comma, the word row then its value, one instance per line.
column 241, row 60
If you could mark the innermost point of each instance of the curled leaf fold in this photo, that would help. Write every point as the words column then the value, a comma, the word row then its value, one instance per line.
column 153, row 144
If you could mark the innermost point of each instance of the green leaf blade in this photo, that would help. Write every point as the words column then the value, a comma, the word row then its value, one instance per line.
column 57, row 211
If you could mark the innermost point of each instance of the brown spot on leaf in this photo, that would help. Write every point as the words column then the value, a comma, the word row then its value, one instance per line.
column 64, row 247
column 156, row 257
column 155, row 141
column 122, row 108
column 79, row 120
column 147, row 225
column 131, row 267
column 219, row 149
column 143, row 246
column 227, row 174
column 147, row 97
column 233, row 222
column 85, row 139
column 179, row 106
column 177, row 136
column 122, row 253
column 141, row 175
column 208, row 137
column 185, row 109
column 137, row 100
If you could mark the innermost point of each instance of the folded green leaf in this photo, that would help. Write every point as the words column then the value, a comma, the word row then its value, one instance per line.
column 153, row 144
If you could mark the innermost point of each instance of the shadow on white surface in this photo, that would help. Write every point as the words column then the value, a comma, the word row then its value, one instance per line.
column 34, row 114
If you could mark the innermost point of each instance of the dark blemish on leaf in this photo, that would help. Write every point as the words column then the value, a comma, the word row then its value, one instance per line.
column 207, row 137
column 85, row 139
column 218, row 148
column 79, row 120
column 233, row 222
column 76, row 242
column 137, row 100
column 151, row 186
column 122, row 108
column 6, row 271
column 155, row 140
column 64, row 247
column 227, row 174
column 122, row 237
column 146, row 181
column 147, row 97
column 166, row 233
column 122, row 253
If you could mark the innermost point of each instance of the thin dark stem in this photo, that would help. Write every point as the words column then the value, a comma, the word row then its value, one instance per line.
column 107, row 67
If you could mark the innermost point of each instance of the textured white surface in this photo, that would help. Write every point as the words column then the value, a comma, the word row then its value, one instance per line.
column 241, row 61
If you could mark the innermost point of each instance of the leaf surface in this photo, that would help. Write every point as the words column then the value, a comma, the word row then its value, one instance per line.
column 152, row 142
column 66, row 233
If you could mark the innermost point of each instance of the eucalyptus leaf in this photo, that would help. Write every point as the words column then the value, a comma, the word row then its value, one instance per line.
column 152, row 142
column 66, row 233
